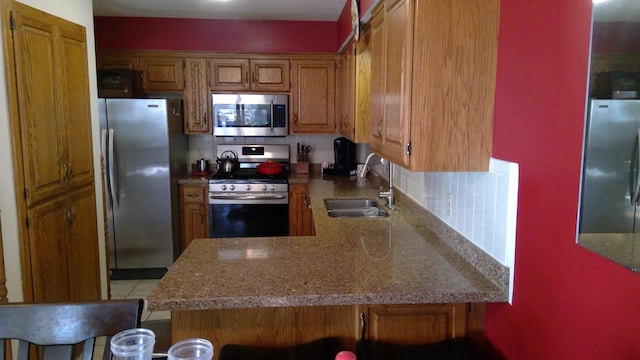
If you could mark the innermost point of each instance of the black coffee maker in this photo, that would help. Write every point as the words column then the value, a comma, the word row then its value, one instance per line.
column 344, row 152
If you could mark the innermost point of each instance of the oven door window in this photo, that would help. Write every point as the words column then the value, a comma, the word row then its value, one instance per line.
column 248, row 220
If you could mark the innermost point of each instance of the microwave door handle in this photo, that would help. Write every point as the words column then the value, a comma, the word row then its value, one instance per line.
column 272, row 116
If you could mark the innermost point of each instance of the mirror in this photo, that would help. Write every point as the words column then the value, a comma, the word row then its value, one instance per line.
column 609, row 219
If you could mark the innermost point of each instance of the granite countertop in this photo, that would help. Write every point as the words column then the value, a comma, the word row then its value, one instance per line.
column 397, row 259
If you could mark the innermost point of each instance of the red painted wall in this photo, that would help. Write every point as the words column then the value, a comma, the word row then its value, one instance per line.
column 215, row 35
column 568, row 302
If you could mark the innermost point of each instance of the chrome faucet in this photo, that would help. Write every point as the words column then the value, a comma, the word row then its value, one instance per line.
column 387, row 195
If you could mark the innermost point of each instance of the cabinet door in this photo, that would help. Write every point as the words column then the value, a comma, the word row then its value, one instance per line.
column 41, row 123
column 346, row 119
column 300, row 212
column 377, row 81
column 76, row 110
column 82, row 246
column 161, row 73
column 415, row 324
column 196, row 97
column 270, row 75
column 48, row 258
column 229, row 74
column 313, row 96
column 397, row 57
column 106, row 62
column 194, row 214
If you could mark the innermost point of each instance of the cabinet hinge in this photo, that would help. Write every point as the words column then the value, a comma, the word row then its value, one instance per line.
column 409, row 148
column 28, row 222
column 25, row 193
column 12, row 22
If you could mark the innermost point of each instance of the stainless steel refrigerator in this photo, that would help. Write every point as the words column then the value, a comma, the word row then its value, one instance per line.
column 145, row 152
column 610, row 180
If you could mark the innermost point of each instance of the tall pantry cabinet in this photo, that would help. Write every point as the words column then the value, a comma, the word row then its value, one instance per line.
column 51, row 130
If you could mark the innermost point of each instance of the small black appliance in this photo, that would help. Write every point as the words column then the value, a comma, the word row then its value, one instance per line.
column 344, row 151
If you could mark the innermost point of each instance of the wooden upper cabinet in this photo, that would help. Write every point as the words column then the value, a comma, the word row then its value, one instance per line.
column 270, row 75
column 354, row 86
column 312, row 99
column 56, row 130
column 196, row 97
column 106, row 62
column 161, row 73
column 76, row 112
column 433, row 83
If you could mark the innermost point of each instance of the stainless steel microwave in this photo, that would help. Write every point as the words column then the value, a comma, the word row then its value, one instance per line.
column 250, row 114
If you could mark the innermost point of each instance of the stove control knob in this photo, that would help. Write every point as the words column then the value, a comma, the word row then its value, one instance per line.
column 224, row 187
column 273, row 187
column 264, row 187
column 248, row 187
column 232, row 187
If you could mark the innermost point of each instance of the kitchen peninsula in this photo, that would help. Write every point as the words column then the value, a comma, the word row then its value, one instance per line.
column 282, row 290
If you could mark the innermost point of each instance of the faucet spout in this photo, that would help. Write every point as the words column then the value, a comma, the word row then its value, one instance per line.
column 363, row 170
column 387, row 195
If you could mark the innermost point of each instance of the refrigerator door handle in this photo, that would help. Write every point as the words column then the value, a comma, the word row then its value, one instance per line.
column 112, row 179
column 636, row 186
column 105, row 161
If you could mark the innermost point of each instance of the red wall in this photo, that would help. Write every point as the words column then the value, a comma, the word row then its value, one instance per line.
column 568, row 302
column 215, row 35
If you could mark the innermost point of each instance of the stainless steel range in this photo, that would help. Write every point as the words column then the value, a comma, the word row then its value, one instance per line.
column 244, row 202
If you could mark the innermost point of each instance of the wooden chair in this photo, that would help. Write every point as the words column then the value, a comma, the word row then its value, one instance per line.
column 58, row 328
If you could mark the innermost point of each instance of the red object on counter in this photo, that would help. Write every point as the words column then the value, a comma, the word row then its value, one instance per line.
column 270, row 168
column 345, row 355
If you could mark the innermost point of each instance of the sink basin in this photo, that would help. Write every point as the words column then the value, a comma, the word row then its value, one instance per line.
column 354, row 207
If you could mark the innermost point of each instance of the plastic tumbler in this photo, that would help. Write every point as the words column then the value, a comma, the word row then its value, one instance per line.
column 133, row 344
column 191, row 349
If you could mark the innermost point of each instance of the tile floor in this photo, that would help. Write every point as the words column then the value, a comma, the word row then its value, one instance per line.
column 137, row 289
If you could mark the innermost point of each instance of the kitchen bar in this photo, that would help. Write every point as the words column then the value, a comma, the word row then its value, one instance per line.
column 394, row 260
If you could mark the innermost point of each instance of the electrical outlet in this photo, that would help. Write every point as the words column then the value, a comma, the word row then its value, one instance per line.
column 450, row 204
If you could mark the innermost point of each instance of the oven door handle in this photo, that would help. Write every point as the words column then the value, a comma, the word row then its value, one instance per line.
column 247, row 197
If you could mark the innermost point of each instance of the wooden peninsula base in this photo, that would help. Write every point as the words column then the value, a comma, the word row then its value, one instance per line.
column 282, row 326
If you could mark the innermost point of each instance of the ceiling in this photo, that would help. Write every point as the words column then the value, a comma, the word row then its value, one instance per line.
column 308, row 10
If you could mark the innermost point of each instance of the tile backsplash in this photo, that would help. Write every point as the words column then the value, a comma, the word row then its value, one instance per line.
column 204, row 146
column 481, row 206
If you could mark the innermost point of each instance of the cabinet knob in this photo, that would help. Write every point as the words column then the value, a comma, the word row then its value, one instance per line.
column 379, row 127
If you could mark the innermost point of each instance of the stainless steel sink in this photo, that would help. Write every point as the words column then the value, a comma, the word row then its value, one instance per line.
column 354, row 207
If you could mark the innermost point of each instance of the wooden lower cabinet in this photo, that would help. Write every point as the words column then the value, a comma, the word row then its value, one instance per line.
column 284, row 326
column 63, row 248
column 194, row 214
column 300, row 213
column 414, row 324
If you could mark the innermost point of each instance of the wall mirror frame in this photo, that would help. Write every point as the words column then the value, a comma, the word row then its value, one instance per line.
column 609, row 211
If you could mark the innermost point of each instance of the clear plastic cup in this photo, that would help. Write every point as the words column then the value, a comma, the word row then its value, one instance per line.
column 191, row 349
column 133, row 344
